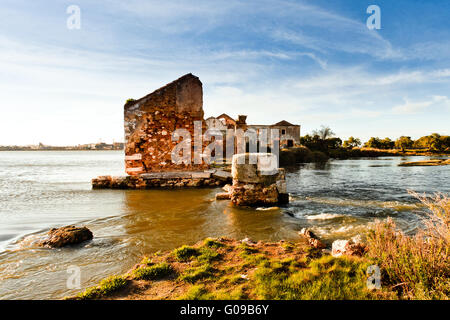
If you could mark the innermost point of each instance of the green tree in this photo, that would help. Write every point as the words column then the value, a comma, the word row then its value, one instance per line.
column 436, row 142
column 433, row 142
column 403, row 142
column 333, row 143
column 387, row 143
column 445, row 142
column 373, row 143
column 352, row 143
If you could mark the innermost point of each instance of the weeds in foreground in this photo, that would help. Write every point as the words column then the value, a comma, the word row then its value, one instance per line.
column 417, row 267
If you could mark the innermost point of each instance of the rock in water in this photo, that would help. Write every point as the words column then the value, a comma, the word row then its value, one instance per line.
column 60, row 237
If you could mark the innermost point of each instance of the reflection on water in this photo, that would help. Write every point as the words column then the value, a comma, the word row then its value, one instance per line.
column 40, row 190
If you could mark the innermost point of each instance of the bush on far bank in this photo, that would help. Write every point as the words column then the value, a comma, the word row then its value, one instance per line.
column 300, row 154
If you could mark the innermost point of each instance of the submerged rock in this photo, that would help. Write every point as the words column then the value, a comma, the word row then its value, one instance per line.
column 69, row 235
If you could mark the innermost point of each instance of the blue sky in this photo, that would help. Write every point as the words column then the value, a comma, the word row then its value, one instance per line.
column 309, row 62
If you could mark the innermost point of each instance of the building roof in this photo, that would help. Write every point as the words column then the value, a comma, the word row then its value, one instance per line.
column 283, row 123
column 224, row 115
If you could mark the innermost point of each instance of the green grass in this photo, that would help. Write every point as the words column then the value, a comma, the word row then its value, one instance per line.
column 288, row 246
column 246, row 249
column 323, row 278
column 154, row 272
column 207, row 255
column 211, row 243
column 105, row 287
column 200, row 292
column 146, row 261
column 231, row 280
column 185, row 253
column 196, row 292
column 195, row 274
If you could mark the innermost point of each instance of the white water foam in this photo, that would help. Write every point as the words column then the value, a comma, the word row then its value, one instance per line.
column 324, row 216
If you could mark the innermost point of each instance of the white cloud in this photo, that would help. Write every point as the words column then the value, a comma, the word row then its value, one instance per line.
column 411, row 107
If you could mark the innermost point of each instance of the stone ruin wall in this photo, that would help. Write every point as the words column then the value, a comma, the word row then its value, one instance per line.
column 150, row 121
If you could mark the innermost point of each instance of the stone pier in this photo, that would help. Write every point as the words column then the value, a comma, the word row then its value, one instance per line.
column 164, row 180
column 257, row 181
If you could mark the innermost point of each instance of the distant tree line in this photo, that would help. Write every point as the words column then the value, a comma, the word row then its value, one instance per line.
column 434, row 142
column 324, row 140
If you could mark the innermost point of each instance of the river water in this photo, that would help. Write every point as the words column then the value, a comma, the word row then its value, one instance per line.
column 44, row 189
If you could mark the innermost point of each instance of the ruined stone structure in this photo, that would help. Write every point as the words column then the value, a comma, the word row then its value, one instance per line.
column 150, row 121
column 149, row 124
column 256, row 182
column 289, row 134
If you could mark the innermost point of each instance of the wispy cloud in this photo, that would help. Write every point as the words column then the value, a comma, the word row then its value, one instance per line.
column 412, row 107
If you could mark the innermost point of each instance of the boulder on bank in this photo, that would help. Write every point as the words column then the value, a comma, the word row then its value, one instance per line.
column 69, row 235
column 312, row 239
column 348, row 248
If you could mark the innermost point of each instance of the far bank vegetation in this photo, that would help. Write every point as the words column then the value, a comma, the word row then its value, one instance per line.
column 322, row 145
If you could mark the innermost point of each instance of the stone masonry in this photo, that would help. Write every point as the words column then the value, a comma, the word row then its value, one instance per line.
column 150, row 121
column 164, row 180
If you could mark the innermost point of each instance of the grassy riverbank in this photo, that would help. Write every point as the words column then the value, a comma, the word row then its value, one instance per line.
column 231, row 269
column 411, row 268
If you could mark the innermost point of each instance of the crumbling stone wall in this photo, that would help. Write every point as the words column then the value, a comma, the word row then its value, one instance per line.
column 150, row 121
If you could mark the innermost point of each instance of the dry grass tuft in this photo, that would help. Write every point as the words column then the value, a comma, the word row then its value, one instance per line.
column 418, row 266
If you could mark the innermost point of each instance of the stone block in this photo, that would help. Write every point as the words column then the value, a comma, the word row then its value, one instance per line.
column 201, row 175
column 254, row 168
column 222, row 175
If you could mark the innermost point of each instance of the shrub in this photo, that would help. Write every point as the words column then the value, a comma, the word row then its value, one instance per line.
column 317, row 156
